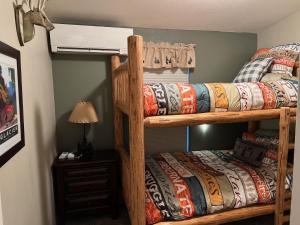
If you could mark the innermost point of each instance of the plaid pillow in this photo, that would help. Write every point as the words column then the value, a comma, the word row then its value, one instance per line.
column 253, row 70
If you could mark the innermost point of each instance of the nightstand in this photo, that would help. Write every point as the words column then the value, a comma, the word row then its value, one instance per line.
column 85, row 186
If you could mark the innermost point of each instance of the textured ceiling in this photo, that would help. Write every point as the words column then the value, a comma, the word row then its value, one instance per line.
column 216, row 15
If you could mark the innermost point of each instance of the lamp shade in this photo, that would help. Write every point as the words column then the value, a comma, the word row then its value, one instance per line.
column 83, row 112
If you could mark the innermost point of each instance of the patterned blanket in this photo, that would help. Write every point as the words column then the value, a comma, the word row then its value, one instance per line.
column 182, row 185
column 180, row 98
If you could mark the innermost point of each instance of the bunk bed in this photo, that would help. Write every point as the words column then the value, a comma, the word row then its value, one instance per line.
column 128, row 99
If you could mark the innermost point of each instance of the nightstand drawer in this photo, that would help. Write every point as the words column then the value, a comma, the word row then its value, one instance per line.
column 86, row 171
column 88, row 201
column 77, row 186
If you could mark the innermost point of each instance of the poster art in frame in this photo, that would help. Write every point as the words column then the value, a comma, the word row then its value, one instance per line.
column 11, row 103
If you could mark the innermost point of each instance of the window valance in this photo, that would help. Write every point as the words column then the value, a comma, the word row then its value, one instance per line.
column 166, row 55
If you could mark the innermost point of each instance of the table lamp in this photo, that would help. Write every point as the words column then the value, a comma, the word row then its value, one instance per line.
column 84, row 113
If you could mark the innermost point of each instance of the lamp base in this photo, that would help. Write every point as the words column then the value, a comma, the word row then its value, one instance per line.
column 84, row 149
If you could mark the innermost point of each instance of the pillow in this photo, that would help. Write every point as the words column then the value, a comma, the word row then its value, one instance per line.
column 284, row 58
column 254, row 70
column 266, row 137
column 248, row 152
column 261, row 53
column 276, row 76
column 270, row 157
column 273, row 135
column 270, row 142
column 270, row 133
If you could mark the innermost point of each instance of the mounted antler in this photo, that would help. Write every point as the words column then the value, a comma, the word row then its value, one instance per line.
column 39, row 17
column 34, row 16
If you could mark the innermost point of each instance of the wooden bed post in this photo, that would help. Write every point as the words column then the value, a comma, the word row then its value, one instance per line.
column 136, row 130
column 282, row 164
column 118, row 119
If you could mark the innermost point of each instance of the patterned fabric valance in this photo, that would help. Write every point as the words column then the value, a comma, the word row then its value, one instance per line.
column 166, row 55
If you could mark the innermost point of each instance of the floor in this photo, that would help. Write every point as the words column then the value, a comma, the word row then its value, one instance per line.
column 100, row 220
column 123, row 220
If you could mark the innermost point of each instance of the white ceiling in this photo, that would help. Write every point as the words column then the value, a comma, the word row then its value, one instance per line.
column 216, row 15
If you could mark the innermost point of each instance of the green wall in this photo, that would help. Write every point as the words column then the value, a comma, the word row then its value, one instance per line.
column 219, row 56
column 78, row 77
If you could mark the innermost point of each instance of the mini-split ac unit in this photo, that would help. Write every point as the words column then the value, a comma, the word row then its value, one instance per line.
column 80, row 39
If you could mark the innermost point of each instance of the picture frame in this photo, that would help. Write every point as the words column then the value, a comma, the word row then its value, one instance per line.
column 12, row 138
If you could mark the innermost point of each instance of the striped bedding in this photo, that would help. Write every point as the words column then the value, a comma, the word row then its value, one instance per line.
column 180, row 98
column 181, row 185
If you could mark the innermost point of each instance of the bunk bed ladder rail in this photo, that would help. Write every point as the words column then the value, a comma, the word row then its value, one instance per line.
column 283, row 148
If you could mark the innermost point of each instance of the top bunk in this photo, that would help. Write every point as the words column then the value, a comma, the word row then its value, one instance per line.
column 131, row 98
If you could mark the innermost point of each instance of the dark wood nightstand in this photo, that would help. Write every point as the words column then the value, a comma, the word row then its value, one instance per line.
column 90, row 185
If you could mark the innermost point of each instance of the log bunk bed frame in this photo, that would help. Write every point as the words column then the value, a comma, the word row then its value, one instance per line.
column 128, row 80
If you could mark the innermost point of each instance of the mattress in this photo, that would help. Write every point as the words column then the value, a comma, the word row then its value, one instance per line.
column 181, row 185
column 183, row 98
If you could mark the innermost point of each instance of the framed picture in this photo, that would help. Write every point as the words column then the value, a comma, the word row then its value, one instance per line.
column 11, row 103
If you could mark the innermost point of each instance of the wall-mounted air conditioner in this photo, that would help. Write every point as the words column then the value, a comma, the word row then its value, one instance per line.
column 80, row 39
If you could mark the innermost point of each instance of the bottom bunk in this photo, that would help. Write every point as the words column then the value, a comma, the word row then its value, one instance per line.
column 206, row 184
